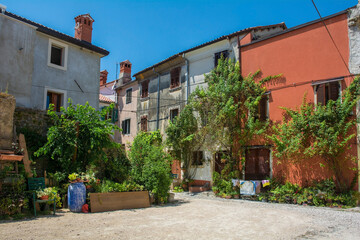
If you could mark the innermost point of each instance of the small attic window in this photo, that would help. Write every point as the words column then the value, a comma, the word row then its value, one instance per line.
column 85, row 21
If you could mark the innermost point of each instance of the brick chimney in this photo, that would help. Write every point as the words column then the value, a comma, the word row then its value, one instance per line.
column 83, row 27
column 103, row 77
column 125, row 71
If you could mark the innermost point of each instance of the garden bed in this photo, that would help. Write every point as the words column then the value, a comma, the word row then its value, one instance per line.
column 102, row 202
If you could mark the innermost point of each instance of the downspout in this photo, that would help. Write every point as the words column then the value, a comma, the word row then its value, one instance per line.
column 239, row 49
column 187, row 78
column 158, row 100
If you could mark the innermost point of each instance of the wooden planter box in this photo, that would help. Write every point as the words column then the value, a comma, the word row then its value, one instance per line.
column 103, row 202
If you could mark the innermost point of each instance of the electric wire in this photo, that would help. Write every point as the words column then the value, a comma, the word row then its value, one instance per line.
column 331, row 37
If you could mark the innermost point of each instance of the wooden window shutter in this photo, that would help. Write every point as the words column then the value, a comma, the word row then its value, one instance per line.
column 334, row 90
column 143, row 124
column 263, row 108
column 123, row 127
column 175, row 77
column 320, row 94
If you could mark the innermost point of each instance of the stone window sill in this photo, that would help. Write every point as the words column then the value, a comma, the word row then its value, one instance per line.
column 175, row 89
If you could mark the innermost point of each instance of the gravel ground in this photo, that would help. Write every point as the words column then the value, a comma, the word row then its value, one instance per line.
column 200, row 216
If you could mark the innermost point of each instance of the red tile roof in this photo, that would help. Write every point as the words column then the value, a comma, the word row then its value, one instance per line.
column 102, row 98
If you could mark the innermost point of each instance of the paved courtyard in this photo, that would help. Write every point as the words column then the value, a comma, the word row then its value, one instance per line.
column 194, row 217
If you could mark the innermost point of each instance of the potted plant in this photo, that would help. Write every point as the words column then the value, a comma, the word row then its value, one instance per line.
column 215, row 190
column 44, row 193
column 235, row 195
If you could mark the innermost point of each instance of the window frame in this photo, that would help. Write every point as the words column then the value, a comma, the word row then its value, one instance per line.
column 145, row 117
column 147, row 82
column 316, row 86
column 128, row 99
column 170, row 113
column 195, row 162
column 56, row 91
column 217, row 56
column 175, row 76
column 267, row 105
column 123, row 123
column 64, row 54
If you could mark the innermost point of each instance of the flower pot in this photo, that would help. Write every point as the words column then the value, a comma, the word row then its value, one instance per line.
column 228, row 197
column 237, row 196
column 44, row 197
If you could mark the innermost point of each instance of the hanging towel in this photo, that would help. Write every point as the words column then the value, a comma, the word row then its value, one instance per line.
column 265, row 183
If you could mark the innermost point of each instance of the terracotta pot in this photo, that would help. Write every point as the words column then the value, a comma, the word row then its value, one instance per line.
column 236, row 196
column 44, row 198
column 228, row 197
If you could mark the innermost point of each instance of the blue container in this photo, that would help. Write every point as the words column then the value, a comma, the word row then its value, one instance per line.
column 76, row 196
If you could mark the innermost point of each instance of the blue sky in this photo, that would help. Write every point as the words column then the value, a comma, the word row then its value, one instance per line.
column 146, row 32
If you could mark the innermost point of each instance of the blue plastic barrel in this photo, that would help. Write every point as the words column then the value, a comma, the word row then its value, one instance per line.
column 76, row 196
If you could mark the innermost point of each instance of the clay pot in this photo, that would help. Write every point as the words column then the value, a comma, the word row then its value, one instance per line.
column 237, row 196
column 44, row 197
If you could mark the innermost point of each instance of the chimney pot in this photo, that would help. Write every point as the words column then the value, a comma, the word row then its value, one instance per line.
column 125, row 71
column 83, row 27
column 103, row 77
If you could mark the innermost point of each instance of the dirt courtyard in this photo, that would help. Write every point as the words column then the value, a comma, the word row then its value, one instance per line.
column 194, row 217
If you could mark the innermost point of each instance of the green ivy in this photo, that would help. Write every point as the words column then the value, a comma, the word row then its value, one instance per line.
column 324, row 131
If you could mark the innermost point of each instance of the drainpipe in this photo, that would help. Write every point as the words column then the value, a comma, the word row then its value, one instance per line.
column 187, row 78
column 158, row 100
column 239, row 49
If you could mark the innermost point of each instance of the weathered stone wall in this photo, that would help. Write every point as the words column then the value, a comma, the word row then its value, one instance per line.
column 7, row 107
column 354, row 37
column 32, row 119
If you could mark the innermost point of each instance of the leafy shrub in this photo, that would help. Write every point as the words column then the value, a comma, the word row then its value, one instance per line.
column 322, row 193
column 150, row 165
column 13, row 198
column 110, row 186
column 115, row 167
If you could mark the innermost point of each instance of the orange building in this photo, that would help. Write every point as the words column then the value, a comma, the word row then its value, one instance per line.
column 310, row 63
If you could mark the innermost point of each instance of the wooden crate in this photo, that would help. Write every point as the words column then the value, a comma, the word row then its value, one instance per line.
column 102, row 202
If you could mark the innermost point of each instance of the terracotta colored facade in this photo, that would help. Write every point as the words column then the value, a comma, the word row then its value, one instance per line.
column 303, row 55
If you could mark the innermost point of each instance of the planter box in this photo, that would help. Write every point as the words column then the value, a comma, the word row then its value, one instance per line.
column 103, row 202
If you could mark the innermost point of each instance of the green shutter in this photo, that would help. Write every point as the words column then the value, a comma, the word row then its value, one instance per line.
column 102, row 117
column 115, row 115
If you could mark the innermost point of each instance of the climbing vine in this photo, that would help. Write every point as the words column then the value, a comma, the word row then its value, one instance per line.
column 324, row 131
column 229, row 111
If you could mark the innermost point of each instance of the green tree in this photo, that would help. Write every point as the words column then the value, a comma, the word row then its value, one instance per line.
column 324, row 131
column 151, row 164
column 229, row 109
column 182, row 138
column 78, row 137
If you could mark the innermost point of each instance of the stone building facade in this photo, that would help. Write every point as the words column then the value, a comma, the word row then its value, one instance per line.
column 39, row 65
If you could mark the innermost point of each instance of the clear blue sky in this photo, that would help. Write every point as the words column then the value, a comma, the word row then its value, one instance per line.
column 146, row 32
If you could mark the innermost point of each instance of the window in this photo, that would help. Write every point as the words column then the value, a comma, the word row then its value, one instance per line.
column 57, row 54
column 145, row 89
column 175, row 77
column 144, row 124
column 257, row 163
column 173, row 114
column 198, row 158
column 262, row 113
column 327, row 91
column 125, row 125
column 128, row 95
column 54, row 98
column 218, row 55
